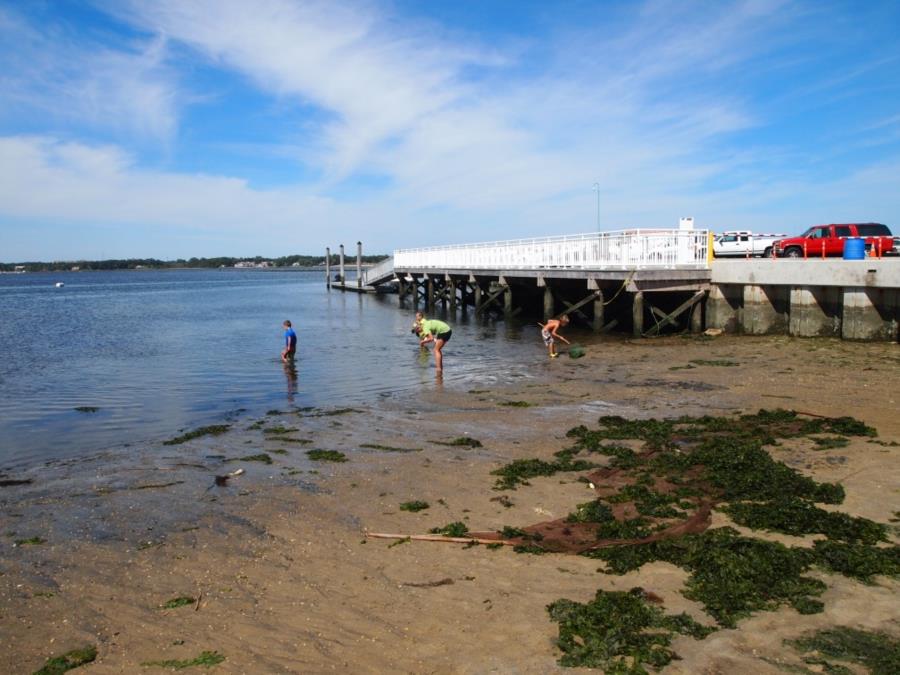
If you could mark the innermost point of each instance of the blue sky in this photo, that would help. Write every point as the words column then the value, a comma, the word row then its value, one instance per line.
column 178, row 128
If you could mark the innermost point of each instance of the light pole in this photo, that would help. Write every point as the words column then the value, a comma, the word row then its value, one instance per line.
column 597, row 190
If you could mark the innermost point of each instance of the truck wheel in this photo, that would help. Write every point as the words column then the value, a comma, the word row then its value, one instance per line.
column 768, row 252
column 793, row 252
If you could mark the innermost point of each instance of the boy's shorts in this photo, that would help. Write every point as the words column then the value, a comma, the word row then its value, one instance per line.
column 548, row 337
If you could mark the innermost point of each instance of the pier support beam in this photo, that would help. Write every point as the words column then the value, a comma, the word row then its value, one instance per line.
column 429, row 292
column 549, row 304
column 723, row 307
column 451, row 286
column 637, row 314
column 765, row 310
column 477, row 292
column 697, row 318
column 507, row 297
column 862, row 319
column 815, row 312
column 415, row 293
column 597, row 321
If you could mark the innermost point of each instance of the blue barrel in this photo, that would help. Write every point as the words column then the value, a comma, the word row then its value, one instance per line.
column 855, row 249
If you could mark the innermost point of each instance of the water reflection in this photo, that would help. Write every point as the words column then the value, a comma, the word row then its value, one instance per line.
column 290, row 374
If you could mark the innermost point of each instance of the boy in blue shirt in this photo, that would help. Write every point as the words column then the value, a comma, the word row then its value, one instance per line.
column 290, row 343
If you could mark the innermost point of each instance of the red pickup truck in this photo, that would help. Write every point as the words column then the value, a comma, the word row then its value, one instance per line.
column 829, row 240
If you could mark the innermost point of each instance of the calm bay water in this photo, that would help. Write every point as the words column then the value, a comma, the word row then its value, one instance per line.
column 158, row 351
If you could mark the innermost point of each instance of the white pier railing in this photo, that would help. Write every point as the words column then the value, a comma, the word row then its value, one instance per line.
column 627, row 249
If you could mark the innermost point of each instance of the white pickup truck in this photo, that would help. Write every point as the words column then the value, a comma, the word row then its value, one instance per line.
column 743, row 243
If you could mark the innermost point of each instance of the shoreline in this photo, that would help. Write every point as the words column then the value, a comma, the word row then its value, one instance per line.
column 287, row 583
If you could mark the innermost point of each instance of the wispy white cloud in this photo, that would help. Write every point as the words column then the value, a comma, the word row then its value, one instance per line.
column 74, row 79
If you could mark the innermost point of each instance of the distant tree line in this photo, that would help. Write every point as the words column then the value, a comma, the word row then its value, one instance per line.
column 181, row 263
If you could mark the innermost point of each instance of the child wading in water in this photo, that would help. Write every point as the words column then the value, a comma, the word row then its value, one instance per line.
column 290, row 343
column 548, row 332
column 432, row 330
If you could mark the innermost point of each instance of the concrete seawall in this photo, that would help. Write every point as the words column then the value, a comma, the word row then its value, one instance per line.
column 851, row 299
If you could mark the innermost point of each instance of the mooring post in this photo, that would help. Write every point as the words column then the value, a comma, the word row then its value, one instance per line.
column 359, row 264
column 342, row 265
column 637, row 314
column 327, row 267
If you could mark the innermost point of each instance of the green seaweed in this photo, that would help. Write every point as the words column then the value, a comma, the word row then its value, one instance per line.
column 388, row 448
column 724, row 363
column 206, row 659
column 878, row 652
column 797, row 517
column 455, row 529
column 516, row 404
column 326, row 456
column 212, row 430
column 829, row 442
column 461, row 442
column 279, row 430
column 263, row 457
column 180, row 601
column 31, row 541
column 732, row 575
column 619, row 632
column 519, row 471
column 72, row 659
column 288, row 439
column 648, row 502
column 858, row 561
column 591, row 512
column 414, row 506
column 87, row 409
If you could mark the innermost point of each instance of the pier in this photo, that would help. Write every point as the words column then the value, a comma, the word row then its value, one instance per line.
column 644, row 282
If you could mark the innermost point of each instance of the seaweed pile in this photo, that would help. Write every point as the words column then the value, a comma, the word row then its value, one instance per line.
column 653, row 501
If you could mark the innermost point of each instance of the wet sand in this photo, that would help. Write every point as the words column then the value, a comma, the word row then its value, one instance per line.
column 287, row 582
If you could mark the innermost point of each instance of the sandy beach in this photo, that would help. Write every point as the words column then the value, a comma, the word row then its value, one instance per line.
column 282, row 578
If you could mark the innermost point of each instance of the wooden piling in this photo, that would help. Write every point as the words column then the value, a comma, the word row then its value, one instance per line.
column 637, row 314
column 342, row 264
column 451, row 285
column 429, row 292
column 597, row 323
column 359, row 264
column 327, row 267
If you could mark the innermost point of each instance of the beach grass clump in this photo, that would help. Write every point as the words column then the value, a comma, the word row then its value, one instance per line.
column 387, row 448
column 877, row 652
column 72, row 659
column 206, row 659
column 414, row 506
column 619, row 632
column 455, row 529
column 326, row 456
column 180, row 601
column 212, row 430
column 87, row 409
column 461, row 442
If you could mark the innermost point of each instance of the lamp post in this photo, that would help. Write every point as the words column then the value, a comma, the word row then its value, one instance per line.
column 597, row 190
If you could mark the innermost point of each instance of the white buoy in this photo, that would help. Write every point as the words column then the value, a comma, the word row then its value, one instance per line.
column 59, row 284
